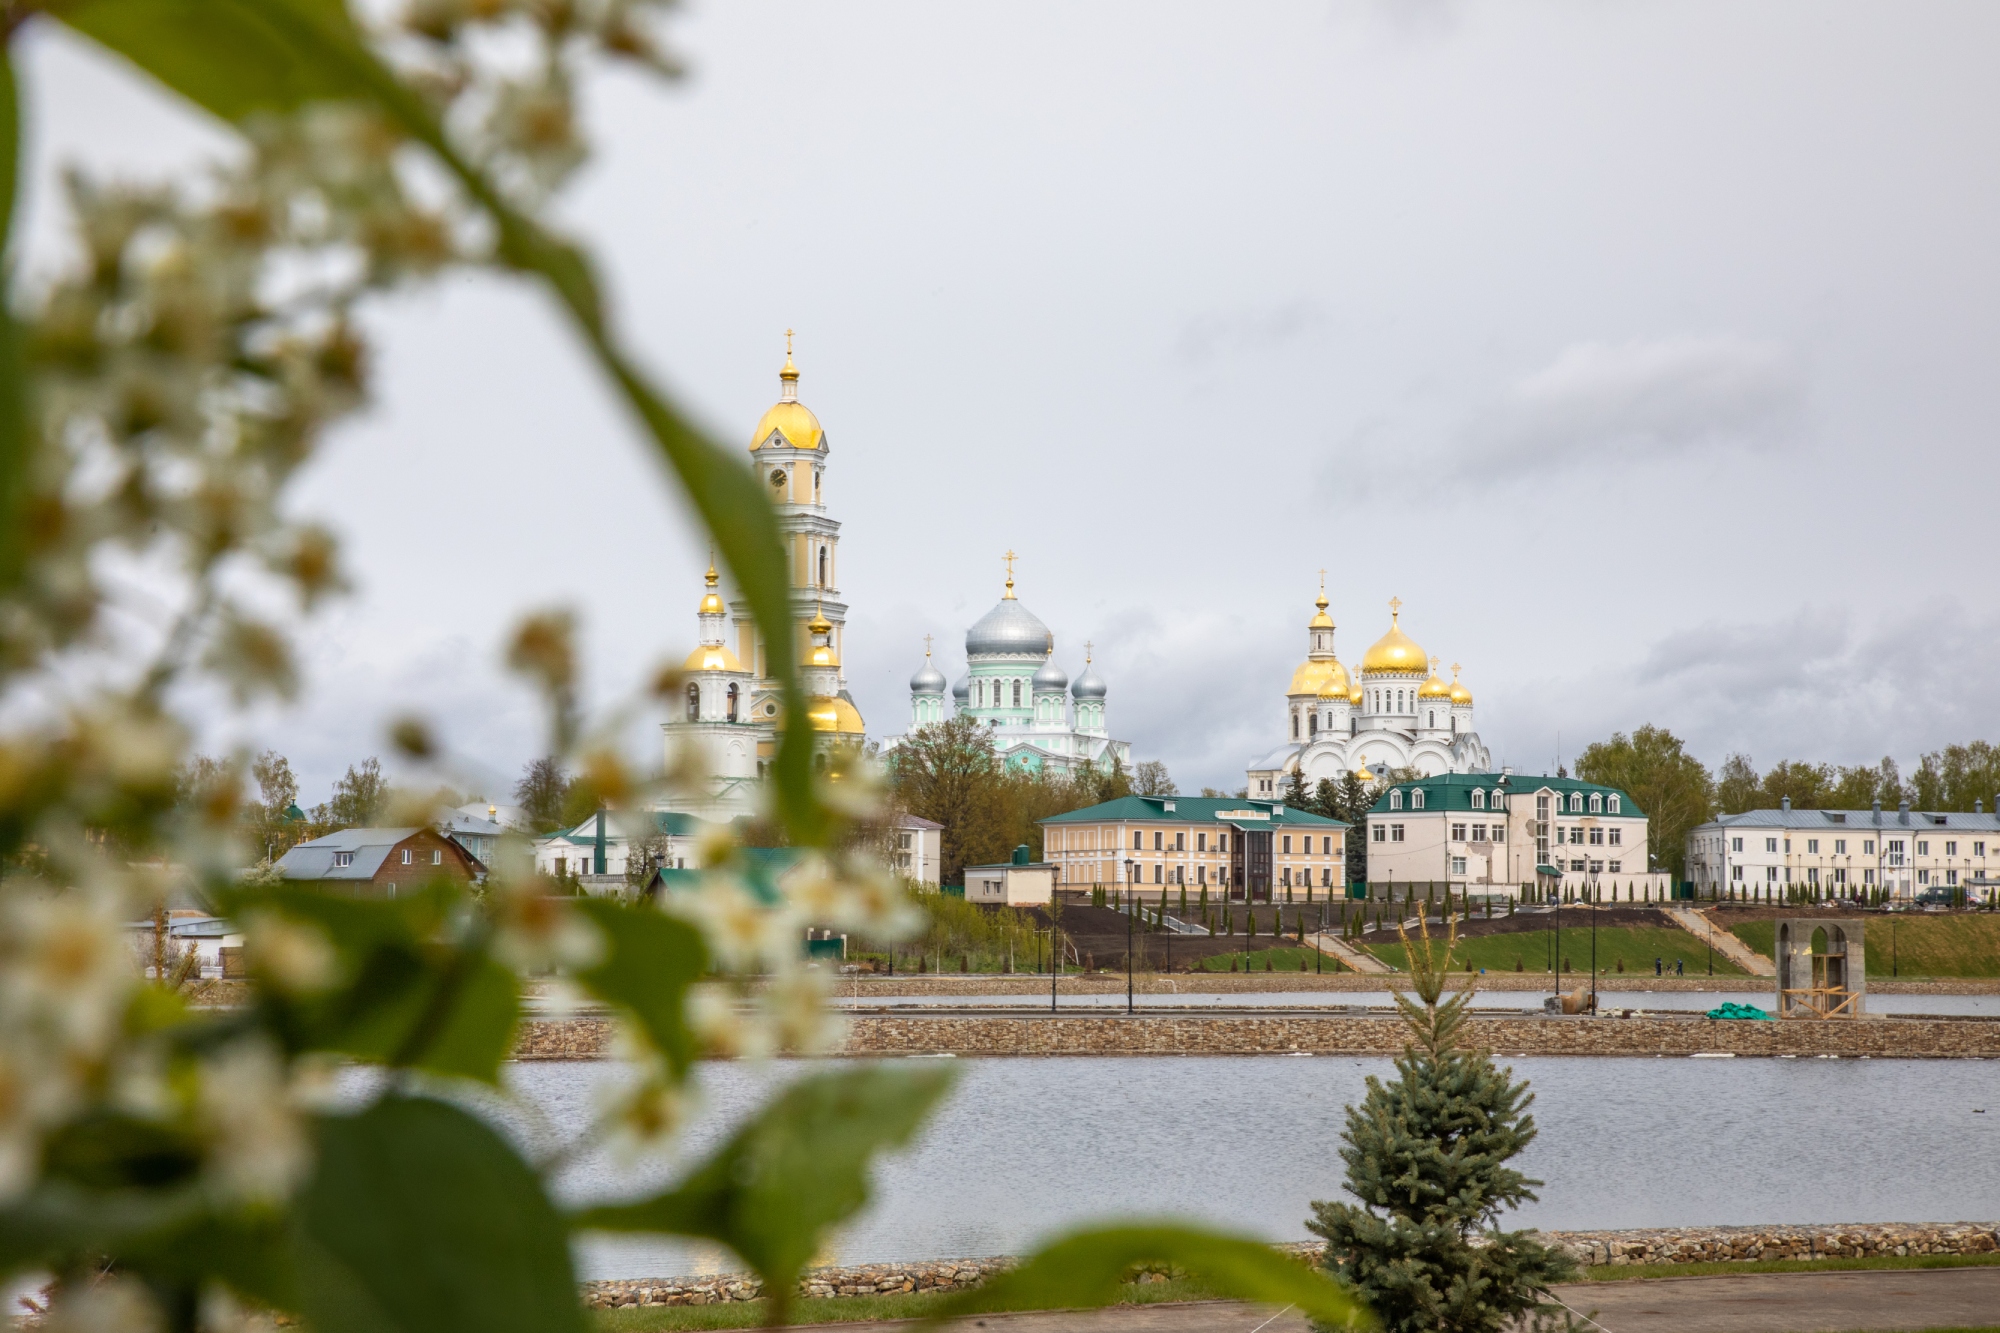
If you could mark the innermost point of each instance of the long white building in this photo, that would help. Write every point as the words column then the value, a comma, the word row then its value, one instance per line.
column 1846, row 853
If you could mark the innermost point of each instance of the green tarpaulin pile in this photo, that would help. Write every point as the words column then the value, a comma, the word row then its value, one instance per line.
column 1731, row 1009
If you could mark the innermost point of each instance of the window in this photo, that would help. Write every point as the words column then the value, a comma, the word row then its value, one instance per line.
column 1611, row 803
column 1222, row 842
column 1326, row 875
column 1736, row 872
column 1840, row 846
column 694, row 702
column 734, row 696
column 1285, row 877
column 1499, row 833
column 1770, row 844
column 1771, row 874
column 406, row 856
column 1576, row 802
column 822, row 550
column 1951, row 877
column 1156, row 873
column 1295, row 726
column 1458, row 865
column 1979, row 849
column 1812, row 845
column 1396, row 800
column 1576, row 836
column 1923, row 848
column 1839, row 875
column 1577, row 865
column 1867, row 877
column 344, row 859
column 1617, row 837
column 1159, row 840
column 1381, row 832
column 1812, row 875
column 1138, row 840
column 1478, row 799
column 1597, row 803
column 1180, row 841
column 1395, row 833
column 1417, row 799
column 1017, row 694
column 1951, row 849
column 1597, row 867
column 437, row 856
column 1868, row 846
column 1288, row 844
column 1326, row 845
column 1597, row 837
column 1433, row 720
column 1892, row 851
column 1923, row 877
column 1612, row 866
column 1736, row 844
column 1479, row 833
column 1458, row 833
column 1201, row 842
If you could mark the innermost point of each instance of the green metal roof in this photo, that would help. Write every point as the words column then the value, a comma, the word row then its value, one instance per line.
column 1196, row 810
column 762, row 867
column 1453, row 792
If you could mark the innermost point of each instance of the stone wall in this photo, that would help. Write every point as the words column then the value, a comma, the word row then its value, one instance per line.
column 1704, row 1245
column 1221, row 1034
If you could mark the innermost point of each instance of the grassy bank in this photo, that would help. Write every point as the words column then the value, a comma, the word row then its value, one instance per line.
column 1263, row 960
column 1634, row 1272
column 1955, row 944
column 839, row 1309
column 1634, row 946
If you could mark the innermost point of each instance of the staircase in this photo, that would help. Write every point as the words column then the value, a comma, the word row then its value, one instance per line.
column 1696, row 923
column 1357, row 960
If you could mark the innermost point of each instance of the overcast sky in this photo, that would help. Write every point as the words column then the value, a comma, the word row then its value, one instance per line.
column 1648, row 353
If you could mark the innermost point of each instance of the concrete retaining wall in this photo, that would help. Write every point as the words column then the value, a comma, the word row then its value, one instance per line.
column 1881, row 1038
column 1705, row 1245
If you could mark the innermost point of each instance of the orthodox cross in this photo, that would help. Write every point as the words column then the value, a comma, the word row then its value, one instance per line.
column 1087, row 646
column 927, row 646
column 1395, row 607
column 1010, row 573
column 788, row 344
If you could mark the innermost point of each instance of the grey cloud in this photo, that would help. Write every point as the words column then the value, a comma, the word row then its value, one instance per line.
column 1214, row 334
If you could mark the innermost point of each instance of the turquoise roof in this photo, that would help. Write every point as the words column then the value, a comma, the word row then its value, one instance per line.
column 1193, row 810
column 1453, row 791
column 761, row 869
column 671, row 823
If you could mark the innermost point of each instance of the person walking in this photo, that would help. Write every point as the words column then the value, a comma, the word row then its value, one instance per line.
column 1680, row 965
column 1656, row 966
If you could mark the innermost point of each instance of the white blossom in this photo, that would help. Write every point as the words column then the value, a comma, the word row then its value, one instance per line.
column 743, row 932
column 68, row 967
column 535, row 932
column 108, row 1305
column 258, row 1147
column 294, row 956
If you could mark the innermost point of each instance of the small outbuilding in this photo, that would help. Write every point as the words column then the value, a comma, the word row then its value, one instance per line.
column 1822, row 967
column 1016, row 883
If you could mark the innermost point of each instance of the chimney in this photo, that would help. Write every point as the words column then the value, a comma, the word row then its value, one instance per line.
column 1979, row 807
column 1784, row 802
column 1902, row 812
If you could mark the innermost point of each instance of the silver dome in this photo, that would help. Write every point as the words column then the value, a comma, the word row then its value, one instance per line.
column 963, row 690
column 1051, row 677
column 1089, row 685
column 928, row 680
column 1009, row 630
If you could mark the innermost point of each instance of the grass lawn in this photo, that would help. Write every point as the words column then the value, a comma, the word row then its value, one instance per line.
column 1955, row 944
column 1635, row 946
column 1281, row 960
column 1633, row 1272
column 838, row 1309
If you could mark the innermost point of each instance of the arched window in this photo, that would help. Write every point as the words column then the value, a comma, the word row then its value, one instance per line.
column 1596, row 803
column 1611, row 804
column 1396, row 800
column 1295, row 726
column 1312, row 720
column 1417, row 798
column 1017, row 694
column 734, row 693
column 1576, row 802
column 1478, row 799
column 822, row 566
column 1432, row 718
column 694, row 702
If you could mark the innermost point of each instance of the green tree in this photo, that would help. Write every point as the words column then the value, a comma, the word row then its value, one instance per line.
column 360, row 796
column 1806, row 786
column 1427, row 1156
column 1653, row 767
column 1737, row 786
column 1151, row 778
column 1956, row 776
column 1860, row 787
column 274, row 821
column 542, row 793
column 1297, row 795
column 947, row 772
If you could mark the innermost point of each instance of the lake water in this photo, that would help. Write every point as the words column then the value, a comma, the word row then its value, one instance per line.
column 1027, row 1147
column 1499, row 1001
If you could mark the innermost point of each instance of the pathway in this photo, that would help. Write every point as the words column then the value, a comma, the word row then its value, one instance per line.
column 1357, row 960
column 1866, row 1302
column 1696, row 923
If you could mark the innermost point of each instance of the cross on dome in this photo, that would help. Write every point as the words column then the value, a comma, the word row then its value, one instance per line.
column 1010, row 576
column 1395, row 607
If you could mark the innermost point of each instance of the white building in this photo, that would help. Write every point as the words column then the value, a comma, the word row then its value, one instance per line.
column 602, row 844
column 1845, row 853
column 1492, row 834
column 918, row 848
column 1397, row 712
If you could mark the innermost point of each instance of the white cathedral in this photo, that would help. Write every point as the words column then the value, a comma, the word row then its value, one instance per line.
column 1397, row 712
column 1013, row 685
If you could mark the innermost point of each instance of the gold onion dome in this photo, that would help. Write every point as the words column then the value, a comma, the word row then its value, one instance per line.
column 830, row 712
column 822, row 654
column 1321, row 620
column 789, row 417
column 1394, row 651
column 711, row 602
column 1355, row 697
column 712, row 657
column 1435, row 687
column 1459, row 694
column 1312, row 677
column 1336, row 686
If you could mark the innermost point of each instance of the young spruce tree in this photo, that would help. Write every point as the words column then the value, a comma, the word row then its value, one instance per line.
column 1427, row 1156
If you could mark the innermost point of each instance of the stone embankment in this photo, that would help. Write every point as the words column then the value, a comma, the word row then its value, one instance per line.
column 1705, row 1245
column 1289, row 983
column 1224, row 1034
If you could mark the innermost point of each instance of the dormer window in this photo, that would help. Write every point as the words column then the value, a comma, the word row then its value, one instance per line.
column 342, row 859
column 1478, row 799
column 1611, row 804
column 1416, row 798
column 1576, row 802
column 1596, row 803
column 1396, row 800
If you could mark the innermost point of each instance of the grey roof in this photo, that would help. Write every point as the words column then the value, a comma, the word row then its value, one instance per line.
column 1051, row 677
column 472, row 825
column 371, row 847
column 963, row 690
column 904, row 820
column 927, row 680
column 1089, row 685
column 1008, row 630
column 1915, row 820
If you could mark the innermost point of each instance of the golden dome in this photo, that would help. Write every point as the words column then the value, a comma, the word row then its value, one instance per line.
column 1312, row 677
column 1459, row 694
column 1355, row 697
column 788, row 416
column 711, row 603
column 819, row 624
column 716, row 658
column 1394, row 651
column 1435, row 687
column 830, row 712
column 821, row 629
column 1321, row 620
column 1336, row 686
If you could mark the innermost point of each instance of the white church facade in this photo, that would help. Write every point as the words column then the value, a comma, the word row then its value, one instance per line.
column 1395, row 712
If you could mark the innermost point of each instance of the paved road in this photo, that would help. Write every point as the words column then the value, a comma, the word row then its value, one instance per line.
column 1754, row 1303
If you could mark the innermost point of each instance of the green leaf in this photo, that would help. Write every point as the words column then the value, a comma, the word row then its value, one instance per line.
column 421, row 1219
column 650, row 962
column 232, row 57
column 13, row 385
column 1088, row 1268
column 235, row 57
column 407, row 995
column 774, row 1189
